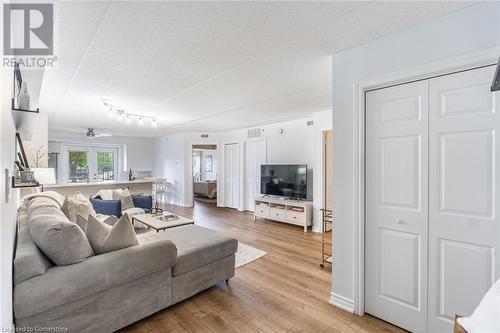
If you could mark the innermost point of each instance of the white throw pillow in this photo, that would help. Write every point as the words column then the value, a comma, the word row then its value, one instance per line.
column 105, row 194
column 107, row 219
column 125, row 197
column 77, row 204
column 104, row 238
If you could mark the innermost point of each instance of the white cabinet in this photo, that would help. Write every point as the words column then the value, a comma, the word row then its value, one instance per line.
column 288, row 211
column 432, row 233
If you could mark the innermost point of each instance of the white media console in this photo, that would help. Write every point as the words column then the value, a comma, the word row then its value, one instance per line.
column 289, row 211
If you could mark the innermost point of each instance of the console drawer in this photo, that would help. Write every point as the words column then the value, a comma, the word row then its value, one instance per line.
column 262, row 210
column 277, row 213
column 296, row 217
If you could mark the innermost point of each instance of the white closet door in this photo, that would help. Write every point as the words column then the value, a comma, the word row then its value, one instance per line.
column 463, row 229
column 231, row 175
column 396, row 205
column 255, row 156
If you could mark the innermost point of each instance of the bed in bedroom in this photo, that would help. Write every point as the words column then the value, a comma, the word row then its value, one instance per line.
column 206, row 189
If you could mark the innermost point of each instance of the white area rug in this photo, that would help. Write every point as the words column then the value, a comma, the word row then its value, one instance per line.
column 247, row 254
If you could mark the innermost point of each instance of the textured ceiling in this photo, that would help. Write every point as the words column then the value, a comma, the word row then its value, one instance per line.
column 208, row 66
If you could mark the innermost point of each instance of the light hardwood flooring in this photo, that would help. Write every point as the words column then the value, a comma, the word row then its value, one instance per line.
column 285, row 291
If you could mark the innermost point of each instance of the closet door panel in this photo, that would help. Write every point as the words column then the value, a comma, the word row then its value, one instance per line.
column 396, row 205
column 463, row 200
column 231, row 175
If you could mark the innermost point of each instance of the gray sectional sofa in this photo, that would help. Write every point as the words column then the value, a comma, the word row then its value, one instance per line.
column 110, row 291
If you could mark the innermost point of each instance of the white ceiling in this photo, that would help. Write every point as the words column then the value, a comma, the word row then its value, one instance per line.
column 208, row 66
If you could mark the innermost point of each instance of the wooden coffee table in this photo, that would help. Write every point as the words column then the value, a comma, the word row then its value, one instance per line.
column 153, row 221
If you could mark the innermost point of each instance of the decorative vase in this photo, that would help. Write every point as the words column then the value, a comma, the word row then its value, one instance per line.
column 23, row 98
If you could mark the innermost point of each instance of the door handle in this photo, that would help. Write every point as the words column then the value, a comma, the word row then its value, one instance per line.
column 399, row 221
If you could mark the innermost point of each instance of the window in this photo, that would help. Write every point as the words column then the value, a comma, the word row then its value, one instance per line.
column 105, row 165
column 90, row 163
column 78, row 166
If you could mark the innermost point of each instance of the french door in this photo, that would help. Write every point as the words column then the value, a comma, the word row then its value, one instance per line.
column 89, row 163
column 431, row 199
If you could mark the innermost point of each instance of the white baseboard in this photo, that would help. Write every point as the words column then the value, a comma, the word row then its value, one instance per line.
column 342, row 302
column 316, row 229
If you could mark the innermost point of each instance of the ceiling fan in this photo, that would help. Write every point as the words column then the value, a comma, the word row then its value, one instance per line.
column 91, row 134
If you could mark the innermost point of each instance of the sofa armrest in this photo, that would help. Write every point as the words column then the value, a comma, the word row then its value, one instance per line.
column 107, row 207
column 143, row 201
column 64, row 284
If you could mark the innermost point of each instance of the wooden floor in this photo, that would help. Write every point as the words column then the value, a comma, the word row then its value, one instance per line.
column 285, row 291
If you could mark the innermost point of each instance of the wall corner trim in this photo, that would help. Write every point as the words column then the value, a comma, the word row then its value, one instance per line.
column 341, row 302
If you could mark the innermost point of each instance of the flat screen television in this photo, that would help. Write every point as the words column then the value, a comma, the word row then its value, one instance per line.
column 284, row 180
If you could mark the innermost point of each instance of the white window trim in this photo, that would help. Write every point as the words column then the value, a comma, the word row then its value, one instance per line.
column 118, row 151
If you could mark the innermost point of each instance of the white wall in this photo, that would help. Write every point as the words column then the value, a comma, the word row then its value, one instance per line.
column 33, row 128
column 134, row 153
column 299, row 144
column 465, row 31
column 294, row 146
column 8, row 200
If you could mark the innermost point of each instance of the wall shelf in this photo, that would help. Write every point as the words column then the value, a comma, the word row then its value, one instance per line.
column 23, row 185
column 23, row 110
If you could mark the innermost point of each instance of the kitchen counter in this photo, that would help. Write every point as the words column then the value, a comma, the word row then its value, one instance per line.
column 101, row 183
column 137, row 186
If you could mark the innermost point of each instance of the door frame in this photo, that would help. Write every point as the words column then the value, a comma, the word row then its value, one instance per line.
column 189, row 196
column 243, row 188
column 324, row 170
column 470, row 61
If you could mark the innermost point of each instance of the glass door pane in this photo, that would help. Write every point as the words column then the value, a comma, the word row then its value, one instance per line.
column 78, row 166
column 105, row 165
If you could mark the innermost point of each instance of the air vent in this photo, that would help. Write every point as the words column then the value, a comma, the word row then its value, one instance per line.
column 310, row 122
column 254, row 133
column 204, row 136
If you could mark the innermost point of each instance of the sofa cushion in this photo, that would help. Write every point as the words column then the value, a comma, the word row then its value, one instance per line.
column 196, row 246
column 77, row 204
column 61, row 285
column 125, row 197
column 61, row 241
column 105, row 238
column 29, row 261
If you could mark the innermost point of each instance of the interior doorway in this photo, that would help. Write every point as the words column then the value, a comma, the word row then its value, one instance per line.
column 328, row 170
column 204, row 173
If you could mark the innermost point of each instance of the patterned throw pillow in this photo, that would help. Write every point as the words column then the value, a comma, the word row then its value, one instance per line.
column 77, row 204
